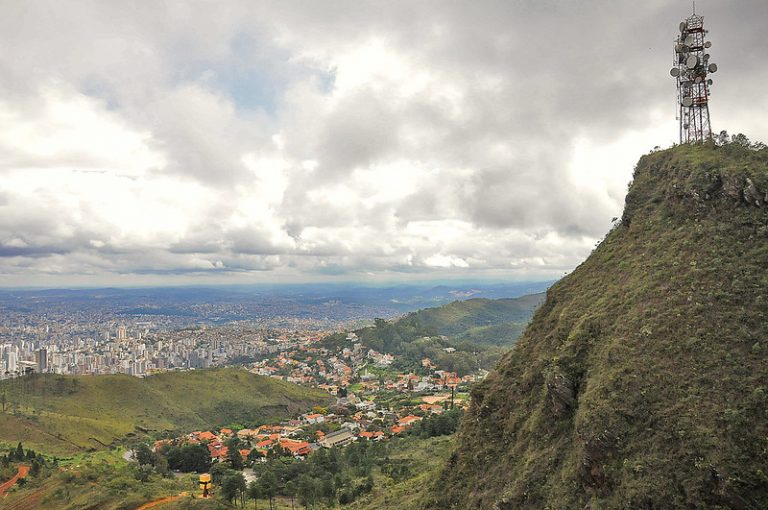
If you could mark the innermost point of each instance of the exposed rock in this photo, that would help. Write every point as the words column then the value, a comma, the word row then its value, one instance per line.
column 561, row 393
column 752, row 194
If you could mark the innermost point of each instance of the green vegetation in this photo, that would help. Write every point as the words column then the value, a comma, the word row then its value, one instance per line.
column 423, row 459
column 103, row 480
column 479, row 330
column 64, row 414
column 642, row 380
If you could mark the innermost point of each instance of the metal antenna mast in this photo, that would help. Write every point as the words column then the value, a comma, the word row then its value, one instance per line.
column 690, row 68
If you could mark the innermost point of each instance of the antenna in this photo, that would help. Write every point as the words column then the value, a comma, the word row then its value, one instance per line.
column 690, row 69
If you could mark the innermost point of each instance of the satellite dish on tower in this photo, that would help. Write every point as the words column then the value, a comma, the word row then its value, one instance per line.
column 691, row 64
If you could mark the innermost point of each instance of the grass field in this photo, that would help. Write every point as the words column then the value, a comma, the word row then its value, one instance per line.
column 63, row 415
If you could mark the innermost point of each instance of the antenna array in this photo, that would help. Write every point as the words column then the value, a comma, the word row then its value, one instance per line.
column 690, row 69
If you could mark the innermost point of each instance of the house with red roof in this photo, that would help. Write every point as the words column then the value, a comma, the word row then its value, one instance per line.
column 408, row 420
column 205, row 436
column 296, row 448
column 314, row 418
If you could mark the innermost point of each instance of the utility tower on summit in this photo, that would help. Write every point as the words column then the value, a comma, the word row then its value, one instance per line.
column 690, row 69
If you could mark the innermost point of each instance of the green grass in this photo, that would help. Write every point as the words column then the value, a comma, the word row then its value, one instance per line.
column 425, row 457
column 481, row 320
column 62, row 415
column 100, row 480
column 642, row 381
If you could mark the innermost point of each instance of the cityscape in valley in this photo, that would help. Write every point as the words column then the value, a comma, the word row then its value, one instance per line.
column 142, row 332
column 383, row 256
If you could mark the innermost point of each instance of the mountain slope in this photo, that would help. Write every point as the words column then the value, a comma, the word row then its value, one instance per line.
column 492, row 321
column 65, row 414
column 642, row 380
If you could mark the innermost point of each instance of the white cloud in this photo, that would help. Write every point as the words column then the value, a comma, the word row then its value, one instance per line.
column 272, row 140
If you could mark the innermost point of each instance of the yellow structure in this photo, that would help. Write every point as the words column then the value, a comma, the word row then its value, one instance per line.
column 205, row 484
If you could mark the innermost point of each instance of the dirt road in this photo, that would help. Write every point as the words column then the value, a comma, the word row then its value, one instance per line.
column 21, row 473
column 162, row 501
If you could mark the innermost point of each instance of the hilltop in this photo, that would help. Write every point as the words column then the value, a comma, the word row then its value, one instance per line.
column 65, row 414
column 642, row 380
column 481, row 321
column 478, row 330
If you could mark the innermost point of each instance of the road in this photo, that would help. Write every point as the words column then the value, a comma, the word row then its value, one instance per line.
column 21, row 473
column 162, row 501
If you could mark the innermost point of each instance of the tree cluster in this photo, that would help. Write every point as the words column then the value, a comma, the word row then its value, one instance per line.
column 442, row 424
column 187, row 458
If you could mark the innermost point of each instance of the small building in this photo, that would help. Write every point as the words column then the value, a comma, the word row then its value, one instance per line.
column 339, row 438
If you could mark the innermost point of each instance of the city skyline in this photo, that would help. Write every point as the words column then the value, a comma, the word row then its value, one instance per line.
column 263, row 142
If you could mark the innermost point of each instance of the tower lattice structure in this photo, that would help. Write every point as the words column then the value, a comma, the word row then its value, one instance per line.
column 691, row 67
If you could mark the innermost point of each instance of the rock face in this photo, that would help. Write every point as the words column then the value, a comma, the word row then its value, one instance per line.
column 642, row 381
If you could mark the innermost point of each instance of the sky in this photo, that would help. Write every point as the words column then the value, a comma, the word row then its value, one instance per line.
column 163, row 143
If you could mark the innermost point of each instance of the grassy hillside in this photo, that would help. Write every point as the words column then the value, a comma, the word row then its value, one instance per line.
column 478, row 329
column 105, row 481
column 642, row 381
column 64, row 414
column 482, row 321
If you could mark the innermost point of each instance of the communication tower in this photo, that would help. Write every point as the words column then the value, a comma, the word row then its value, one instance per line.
column 690, row 69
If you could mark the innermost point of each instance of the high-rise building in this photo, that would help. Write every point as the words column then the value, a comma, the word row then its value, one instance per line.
column 41, row 357
column 122, row 333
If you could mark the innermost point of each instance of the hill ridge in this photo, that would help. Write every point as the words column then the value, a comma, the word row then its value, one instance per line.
column 641, row 381
column 63, row 414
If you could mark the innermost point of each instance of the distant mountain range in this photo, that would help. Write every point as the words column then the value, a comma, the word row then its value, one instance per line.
column 220, row 304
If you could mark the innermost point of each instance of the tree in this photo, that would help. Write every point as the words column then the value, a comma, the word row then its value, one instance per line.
column 741, row 139
column 233, row 487
column 328, row 491
column 34, row 470
column 143, row 454
column 235, row 458
column 254, row 492
column 307, row 491
column 290, row 491
column 19, row 454
column 218, row 473
column 161, row 465
column 268, row 483
column 143, row 473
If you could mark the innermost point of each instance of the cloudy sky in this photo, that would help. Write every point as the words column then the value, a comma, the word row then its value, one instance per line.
column 173, row 142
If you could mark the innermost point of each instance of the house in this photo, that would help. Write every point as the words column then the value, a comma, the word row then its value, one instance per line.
column 247, row 434
column 397, row 429
column 366, row 405
column 205, row 436
column 263, row 445
column 431, row 408
column 314, row 418
column 408, row 420
column 296, row 448
column 339, row 438
column 372, row 436
column 218, row 451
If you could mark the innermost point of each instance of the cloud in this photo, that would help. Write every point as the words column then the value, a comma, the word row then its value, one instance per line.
column 289, row 141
